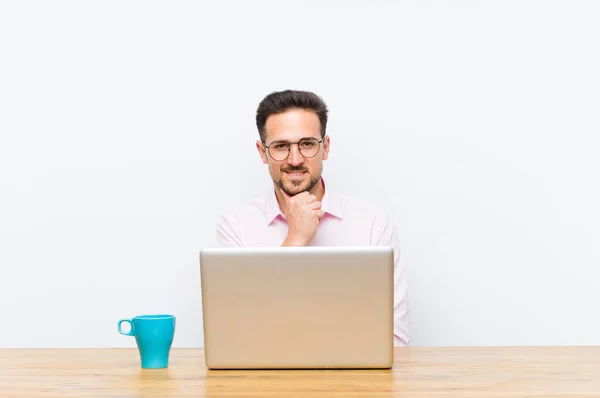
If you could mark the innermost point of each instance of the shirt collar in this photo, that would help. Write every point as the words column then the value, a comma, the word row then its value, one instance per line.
column 330, row 204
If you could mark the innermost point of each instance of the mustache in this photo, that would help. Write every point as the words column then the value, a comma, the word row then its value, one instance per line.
column 292, row 168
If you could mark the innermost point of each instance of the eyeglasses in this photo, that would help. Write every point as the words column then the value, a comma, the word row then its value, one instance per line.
column 280, row 150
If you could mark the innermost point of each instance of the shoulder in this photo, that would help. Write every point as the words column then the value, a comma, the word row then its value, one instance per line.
column 244, row 210
column 354, row 205
column 234, row 222
column 372, row 217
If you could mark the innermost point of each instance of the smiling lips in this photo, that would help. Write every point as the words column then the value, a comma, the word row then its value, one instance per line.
column 296, row 174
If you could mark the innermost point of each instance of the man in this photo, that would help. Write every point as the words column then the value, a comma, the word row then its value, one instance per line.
column 300, row 211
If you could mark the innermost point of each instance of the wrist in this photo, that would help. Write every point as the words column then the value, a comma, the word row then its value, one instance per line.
column 292, row 240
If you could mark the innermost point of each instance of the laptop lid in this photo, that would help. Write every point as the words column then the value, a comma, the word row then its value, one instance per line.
column 297, row 307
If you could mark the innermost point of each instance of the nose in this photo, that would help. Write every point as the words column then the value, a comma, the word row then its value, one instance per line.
column 295, row 158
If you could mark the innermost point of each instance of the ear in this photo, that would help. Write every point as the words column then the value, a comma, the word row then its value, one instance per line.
column 326, row 148
column 262, row 152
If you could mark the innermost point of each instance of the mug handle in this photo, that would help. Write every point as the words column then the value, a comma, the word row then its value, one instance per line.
column 131, row 332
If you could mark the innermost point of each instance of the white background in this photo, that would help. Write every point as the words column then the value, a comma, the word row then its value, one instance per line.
column 127, row 126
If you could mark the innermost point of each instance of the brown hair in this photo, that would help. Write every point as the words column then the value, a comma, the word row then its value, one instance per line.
column 281, row 101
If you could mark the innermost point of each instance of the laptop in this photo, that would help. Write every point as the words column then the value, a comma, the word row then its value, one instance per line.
column 298, row 307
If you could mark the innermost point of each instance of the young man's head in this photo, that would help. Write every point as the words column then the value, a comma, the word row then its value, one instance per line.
column 293, row 141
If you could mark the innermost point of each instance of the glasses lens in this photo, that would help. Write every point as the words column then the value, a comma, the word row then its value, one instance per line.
column 279, row 151
column 309, row 147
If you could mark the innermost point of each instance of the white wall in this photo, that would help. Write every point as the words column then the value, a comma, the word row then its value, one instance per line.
column 127, row 126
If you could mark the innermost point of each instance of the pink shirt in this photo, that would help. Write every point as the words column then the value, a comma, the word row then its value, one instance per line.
column 347, row 221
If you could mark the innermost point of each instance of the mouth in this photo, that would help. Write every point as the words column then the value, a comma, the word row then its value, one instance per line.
column 296, row 174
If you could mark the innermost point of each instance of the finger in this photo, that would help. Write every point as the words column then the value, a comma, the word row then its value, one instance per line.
column 315, row 205
column 304, row 197
column 310, row 198
column 319, row 214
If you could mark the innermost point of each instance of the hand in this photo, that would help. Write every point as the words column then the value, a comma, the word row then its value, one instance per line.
column 303, row 213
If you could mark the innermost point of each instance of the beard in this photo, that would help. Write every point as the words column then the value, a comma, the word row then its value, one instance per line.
column 295, row 187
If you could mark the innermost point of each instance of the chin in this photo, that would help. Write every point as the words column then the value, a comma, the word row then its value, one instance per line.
column 294, row 189
column 298, row 187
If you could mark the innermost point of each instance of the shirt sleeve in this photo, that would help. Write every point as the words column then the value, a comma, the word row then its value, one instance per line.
column 227, row 234
column 389, row 237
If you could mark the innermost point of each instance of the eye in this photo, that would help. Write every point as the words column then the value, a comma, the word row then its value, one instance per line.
column 308, row 144
column 280, row 146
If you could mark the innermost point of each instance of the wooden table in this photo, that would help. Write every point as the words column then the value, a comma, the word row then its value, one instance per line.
column 417, row 372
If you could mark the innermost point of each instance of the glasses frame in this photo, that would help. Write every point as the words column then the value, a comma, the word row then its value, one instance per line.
column 290, row 148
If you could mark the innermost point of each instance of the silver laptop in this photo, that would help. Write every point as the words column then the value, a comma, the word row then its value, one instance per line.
column 298, row 307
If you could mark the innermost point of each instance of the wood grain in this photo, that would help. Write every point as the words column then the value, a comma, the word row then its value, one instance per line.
column 417, row 372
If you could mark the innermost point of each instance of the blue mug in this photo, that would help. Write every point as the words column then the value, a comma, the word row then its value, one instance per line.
column 154, row 336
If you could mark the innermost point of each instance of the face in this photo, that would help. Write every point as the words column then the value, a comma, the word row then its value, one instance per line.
column 296, row 173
